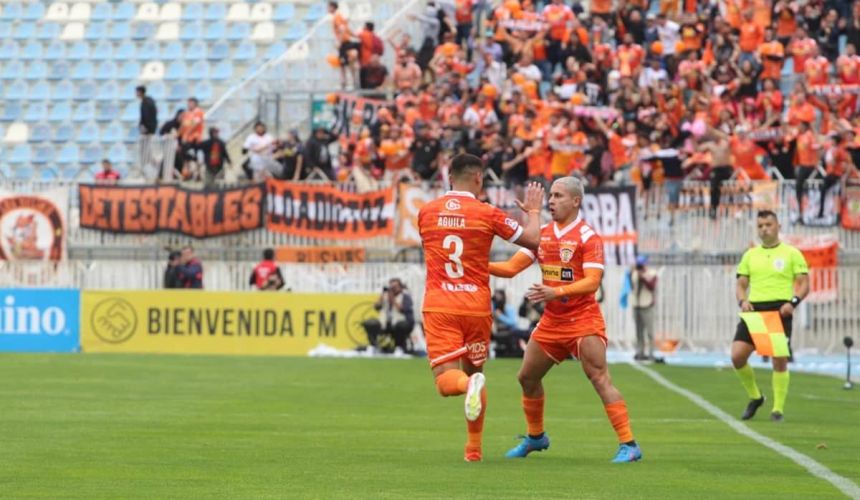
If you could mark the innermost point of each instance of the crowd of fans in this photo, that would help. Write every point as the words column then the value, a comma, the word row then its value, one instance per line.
column 626, row 93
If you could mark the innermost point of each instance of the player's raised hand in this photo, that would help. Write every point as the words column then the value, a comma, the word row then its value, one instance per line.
column 533, row 201
column 540, row 293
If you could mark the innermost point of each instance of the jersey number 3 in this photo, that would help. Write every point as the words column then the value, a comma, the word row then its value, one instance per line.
column 454, row 266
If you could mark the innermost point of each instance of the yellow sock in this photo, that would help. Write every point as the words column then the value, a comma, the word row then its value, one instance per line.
column 780, row 390
column 747, row 377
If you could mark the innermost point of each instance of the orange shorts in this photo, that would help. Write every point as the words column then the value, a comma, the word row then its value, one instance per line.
column 558, row 344
column 452, row 336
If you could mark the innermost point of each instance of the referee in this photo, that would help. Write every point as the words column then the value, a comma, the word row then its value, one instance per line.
column 771, row 277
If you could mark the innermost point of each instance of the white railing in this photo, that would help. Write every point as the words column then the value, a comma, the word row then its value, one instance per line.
column 156, row 156
column 695, row 304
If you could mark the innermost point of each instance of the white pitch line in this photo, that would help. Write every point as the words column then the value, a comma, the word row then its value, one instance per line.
column 844, row 484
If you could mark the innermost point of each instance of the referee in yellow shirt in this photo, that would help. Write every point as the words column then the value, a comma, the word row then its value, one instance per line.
column 771, row 277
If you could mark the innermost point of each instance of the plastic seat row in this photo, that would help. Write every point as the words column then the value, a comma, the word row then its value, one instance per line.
column 110, row 70
column 126, row 51
column 150, row 11
column 100, row 91
column 69, row 154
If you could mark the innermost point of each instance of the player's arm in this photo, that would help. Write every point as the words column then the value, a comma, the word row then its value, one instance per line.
column 586, row 286
column 530, row 238
column 741, row 289
column 519, row 262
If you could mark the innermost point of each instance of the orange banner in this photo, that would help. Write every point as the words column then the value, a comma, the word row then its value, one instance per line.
column 319, row 255
column 151, row 209
column 326, row 212
column 851, row 208
column 822, row 255
column 411, row 199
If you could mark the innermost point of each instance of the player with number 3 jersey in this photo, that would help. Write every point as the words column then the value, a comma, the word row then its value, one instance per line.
column 457, row 232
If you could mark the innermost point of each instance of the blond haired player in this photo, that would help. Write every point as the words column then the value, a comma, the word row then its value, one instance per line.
column 457, row 232
column 571, row 260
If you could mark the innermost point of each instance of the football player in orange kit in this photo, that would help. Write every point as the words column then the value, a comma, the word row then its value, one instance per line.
column 457, row 232
column 571, row 260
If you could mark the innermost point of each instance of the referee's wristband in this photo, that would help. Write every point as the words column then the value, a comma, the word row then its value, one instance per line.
column 795, row 301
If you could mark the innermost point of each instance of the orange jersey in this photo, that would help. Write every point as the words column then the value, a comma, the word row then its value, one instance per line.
column 772, row 55
column 817, row 70
column 751, row 37
column 563, row 255
column 806, row 154
column 848, row 68
column 341, row 27
column 457, row 232
column 838, row 161
column 800, row 50
column 557, row 16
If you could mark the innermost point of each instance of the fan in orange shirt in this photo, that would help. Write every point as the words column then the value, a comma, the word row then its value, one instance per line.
column 838, row 162
column 751, row 34
column 457, row 232
column 570, row 256
column 747, row 155
column 347, row 48
column 800, row 110
column 800, row 48
column 772, row 57
column 806, row 158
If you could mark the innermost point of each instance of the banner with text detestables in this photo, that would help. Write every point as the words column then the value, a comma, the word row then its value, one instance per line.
column 196, row 322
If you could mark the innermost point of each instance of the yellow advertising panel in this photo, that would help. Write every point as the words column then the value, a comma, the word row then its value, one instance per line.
column 199, row 322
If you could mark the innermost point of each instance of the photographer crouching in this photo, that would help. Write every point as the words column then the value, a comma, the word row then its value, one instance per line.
column 391, row 331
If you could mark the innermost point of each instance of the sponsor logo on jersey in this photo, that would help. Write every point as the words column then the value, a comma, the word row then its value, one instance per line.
column 556, row 273
column 452, row 204
column 459, row 287
column 512, row 223
column 456, row 222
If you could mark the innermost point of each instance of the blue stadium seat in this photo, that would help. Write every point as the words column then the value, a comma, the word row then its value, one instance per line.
column 47, row 174
column 118, row 153
column 215, row 31
column 13, row 70
column 40, row 132
column 200, row 70
column 20, row 154
column 179, row 90
column 197, row 50
column 78, row 51
column 132, row 135
column 5, row 30
column 316, row 12
column 11, row 111
column 40, row 91
column 215, row 12
column 149, row 50
column 86, row 91
column 90, row 154
column 63, row 91
column 126, row 51
column 60, row 70
column 143, row 31
column 284, row 12
column 69, row 173
column 108, row 91
column 193, row 12
column 112, row 132
column 63, row 133
column 238, row 31
column 68, row 155
column 17, row 90
column 96, row 31
column 173, row 51
column 191, row 31
column 245, row 51
column 107, row 70
column 176, row 70
column 120, row 31
column 129, row 70
column 87, row 133
column 103, row 50
column 55, row 51
column 84, row 112
column 37, row 70
column 295, row 31
column 49, row 31
column 12, row 11
column 203, row 91
column 131, row 112
column 36, row 112
column 83, row 71
column 43, row 154
column 223, row 70
column 34, row 11
column 124, row 12
column 9, row 49
column 24, row 173
column 102, row 11
column 33, row 50
column 219, row 51
column 275, row 50
column 156, row 90
column 61, row 112
column 106, row 111
column 25, row 31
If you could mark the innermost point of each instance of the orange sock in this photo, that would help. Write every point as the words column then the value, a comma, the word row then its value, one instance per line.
column 533, row 409
column 476, row 428
column 452, row 383
column 617, row 413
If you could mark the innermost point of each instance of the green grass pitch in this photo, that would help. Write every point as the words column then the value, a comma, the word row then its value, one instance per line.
column 128, row 426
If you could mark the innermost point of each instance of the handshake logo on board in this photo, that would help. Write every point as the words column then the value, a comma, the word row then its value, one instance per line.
column 113, row 320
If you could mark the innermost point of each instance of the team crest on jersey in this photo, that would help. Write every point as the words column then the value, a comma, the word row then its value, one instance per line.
column 779, row 264
column 452, row 204
column 512, row 223
column 566, row 251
